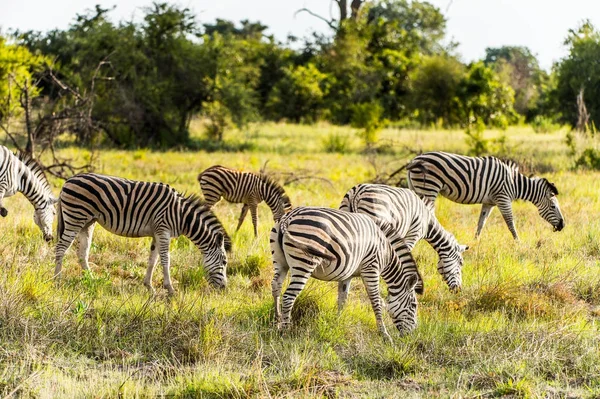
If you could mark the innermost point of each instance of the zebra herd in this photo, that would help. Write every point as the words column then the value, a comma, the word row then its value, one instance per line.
column 370, row 236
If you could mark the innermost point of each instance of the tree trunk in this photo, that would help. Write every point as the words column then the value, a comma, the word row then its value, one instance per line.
column 355, row 6
column 30, row 147
column 343, row 5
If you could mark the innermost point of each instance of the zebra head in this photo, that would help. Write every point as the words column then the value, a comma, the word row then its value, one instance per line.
column 283, row 206
column 215, row 261
column 44, row 217
column 402, row 305
column 450, row 266
column 547, row 204
column 205, row 230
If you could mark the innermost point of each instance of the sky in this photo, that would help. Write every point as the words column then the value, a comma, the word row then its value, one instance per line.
column 541, row 25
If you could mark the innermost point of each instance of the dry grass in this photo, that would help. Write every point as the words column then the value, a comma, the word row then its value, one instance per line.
column 525, row 324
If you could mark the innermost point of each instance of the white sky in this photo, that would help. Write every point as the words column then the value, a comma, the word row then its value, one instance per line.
column 542, row 25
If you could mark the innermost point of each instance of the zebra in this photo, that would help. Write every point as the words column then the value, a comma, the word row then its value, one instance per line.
column 21, row 173
column 405, row 219
column 244, row 187
column 132, row 208
column 333, row 245
column 483, row 180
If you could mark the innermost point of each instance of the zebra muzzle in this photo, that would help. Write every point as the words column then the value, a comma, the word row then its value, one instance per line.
column 3, row 212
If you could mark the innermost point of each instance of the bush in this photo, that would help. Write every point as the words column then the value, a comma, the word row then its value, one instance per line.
column 336, row 143
column 589, row 159
column 543, row 124
column 367, row 117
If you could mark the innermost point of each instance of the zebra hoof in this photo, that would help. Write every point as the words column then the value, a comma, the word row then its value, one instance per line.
column 3, row 212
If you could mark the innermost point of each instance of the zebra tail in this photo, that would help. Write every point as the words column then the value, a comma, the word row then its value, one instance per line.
column 61, row 223
column 307, row 249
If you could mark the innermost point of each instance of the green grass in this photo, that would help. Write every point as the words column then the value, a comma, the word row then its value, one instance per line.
column 526, row 323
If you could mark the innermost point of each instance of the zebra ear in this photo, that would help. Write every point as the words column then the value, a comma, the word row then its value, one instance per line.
column 53, row 201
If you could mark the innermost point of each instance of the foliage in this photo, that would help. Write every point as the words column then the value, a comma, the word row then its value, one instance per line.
column 298, row 95
column 519, row 68
column 544, row 124
column 367, row 118
column 486, row 98
column 579, row 71
column 18, row 67
column 589, row 159
column 334, row 142
column 435, row 90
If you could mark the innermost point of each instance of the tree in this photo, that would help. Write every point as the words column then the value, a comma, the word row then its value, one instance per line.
column 578, row 73
column 485, row 99
column 520, row 69
column 435, row 90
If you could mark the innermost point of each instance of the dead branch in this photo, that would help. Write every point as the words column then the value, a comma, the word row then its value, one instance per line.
column 583, row 115
column 330, row 23
column 293, row 177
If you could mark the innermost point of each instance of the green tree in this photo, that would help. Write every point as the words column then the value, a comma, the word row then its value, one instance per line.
column 579, row 71
column 435, row 90
column 485, row 98
column 519, row 68
column 298, row 96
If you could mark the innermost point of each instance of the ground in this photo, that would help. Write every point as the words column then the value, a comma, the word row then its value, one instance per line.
column 526, row 323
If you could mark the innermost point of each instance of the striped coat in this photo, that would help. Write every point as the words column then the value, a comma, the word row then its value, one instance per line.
column 405, row 219
column 20, row 173
column 333, row 245
column 482, row 180
column 139, row 209
column 247, row 188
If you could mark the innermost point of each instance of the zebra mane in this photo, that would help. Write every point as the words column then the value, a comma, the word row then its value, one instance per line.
column 513, row 165
column 269, row 181
column 36, row 170
column 195, row 201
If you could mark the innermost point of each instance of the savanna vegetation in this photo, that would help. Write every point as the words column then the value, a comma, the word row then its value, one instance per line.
column 163, row 97
column 524, row 325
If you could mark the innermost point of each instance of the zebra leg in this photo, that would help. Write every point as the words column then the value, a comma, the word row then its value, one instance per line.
column 242, row 216
column 254, row 213
column 343, row 290
column 505, row 208
column 163, row 240
column 152, row 261
column 298, row 281
column 486, row 209
column 281, row 272
column 371, row 281
column 64, row 243
column 85, row 242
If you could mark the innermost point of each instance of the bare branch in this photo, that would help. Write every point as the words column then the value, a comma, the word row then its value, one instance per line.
column 331, row 22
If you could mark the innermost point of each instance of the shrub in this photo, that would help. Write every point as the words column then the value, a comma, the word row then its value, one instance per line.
column 589, row 159
column 543, row 124
column 336, row 143
column 367, row 117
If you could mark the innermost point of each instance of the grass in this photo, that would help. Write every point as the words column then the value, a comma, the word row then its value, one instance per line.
column 526, row 323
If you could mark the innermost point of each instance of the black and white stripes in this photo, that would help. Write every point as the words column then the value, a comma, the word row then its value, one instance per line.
column 139, row 209
column 243, row 187
column 488, row 181
column 405, row 219
column 20, row 173
column 334, row 245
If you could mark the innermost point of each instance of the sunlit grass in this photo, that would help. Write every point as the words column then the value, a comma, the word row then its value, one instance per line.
column 525, row 323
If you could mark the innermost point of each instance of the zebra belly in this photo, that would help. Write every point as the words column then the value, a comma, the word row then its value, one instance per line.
column 328, row 272
column 145, row 231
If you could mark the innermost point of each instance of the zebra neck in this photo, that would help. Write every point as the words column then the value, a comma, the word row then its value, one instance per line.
column 31, row 187
column 525, row 188
column 270, row 195
column 395, row 271
column 440, row 239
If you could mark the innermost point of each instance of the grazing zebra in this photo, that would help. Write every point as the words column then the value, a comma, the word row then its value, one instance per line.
column 139, row 209
column 405, row 219
column 333, row 245
column 243, row 187
column 21, row 173
column 483, row 180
